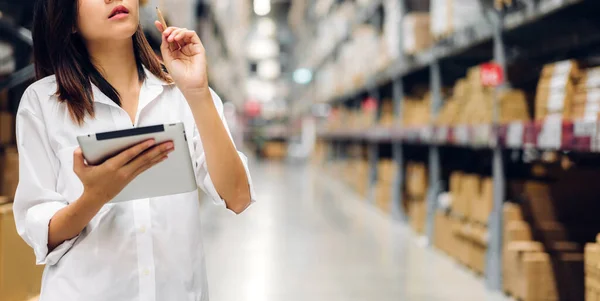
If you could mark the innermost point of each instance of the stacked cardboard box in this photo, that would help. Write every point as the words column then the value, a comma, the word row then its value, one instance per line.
column 416, row 111
column 416, row 32
column 7, row 121
column 346, row 119
column 472, row 103
column 9, row 176
column 444, row 238
column 388, row 117
column 586, row 103
column 359, row 176
column 472, row 199
column 472, row 196
column 556, row 90
column 462, row 240
column 548, row 269
column 416, row 193
column 592, row 271
column 275, row 150
column 386, row 172
column 20, row 278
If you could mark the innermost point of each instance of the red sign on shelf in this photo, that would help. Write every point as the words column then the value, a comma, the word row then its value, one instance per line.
column 492, row 75
column 253, row 108
column 369, row 104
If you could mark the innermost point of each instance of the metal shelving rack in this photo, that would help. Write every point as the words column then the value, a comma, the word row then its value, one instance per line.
column 492, row 30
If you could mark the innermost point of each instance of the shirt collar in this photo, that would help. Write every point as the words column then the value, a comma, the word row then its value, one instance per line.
column 151, row 81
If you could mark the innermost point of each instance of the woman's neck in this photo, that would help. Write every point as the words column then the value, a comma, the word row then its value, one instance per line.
column 116, row 62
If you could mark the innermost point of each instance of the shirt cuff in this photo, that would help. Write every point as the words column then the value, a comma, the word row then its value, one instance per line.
column 37, row 226
column 209, row 186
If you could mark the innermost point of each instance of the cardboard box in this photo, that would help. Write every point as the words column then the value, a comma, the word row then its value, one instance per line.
column 20, row 278
column 383, row 196
column 513, row 267
column 416, row 180
column 417, row 212
column 4, row 105
column 556, row 90
column 482, row 206
column 7, row 128
column 416, row 32
column 590, row 79
column 513, row 106
column 592, row 271
column 517, row 231
column 555, row 95
column 386, row 170
column 512, row 212
column 540, row 283
column 9, row 176
column 568, row 67
column 471, row 190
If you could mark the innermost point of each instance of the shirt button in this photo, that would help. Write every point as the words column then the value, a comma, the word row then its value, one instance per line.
column 146, row 272
column 142, row 229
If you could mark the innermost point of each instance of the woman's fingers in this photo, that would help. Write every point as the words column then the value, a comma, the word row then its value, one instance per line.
column 175, row 33
column 167, row 32
column 182, row 39
column 126, row 156
column 146, row 158
column 159, row 26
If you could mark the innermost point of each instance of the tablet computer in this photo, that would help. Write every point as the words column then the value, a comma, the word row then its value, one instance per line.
column 173, row 176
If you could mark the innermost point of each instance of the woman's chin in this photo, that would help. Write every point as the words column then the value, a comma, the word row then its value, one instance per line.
column 122, row 34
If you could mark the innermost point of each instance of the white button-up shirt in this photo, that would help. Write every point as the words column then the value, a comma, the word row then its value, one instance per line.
column 146, row 250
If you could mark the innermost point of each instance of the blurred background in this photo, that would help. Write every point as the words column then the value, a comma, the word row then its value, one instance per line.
column 401, row 149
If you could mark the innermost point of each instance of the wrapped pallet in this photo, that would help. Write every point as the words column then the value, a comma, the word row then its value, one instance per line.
column 449, row 16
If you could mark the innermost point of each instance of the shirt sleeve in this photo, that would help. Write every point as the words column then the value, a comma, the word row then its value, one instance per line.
column 202, row 177
column 36, row 200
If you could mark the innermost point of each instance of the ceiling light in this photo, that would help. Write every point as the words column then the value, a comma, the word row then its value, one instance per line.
column 266, row 27
column 262, row 7
column 269, row 69
column 303, row 76
column 262, row 49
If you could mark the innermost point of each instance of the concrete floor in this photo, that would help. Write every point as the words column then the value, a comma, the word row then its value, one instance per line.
column 310, row 238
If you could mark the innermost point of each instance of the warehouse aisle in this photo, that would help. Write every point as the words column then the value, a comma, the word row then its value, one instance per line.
column 310, row 238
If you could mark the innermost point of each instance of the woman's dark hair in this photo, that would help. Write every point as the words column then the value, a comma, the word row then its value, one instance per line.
column 59, row 51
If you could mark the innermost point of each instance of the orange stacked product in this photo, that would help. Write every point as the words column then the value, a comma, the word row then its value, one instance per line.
column 472, row 103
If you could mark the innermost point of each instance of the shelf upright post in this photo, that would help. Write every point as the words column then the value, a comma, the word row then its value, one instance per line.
column 435, row 173
column 373, row 149
column 494, row 252
column 398, row 152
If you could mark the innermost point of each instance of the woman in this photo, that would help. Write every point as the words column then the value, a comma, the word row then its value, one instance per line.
column 99, row 74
